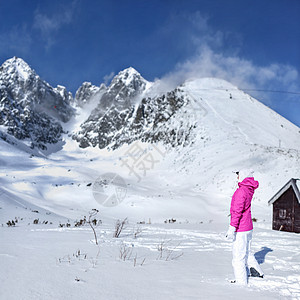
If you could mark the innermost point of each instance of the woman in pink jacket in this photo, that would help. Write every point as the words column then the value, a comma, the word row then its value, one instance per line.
column 241, row 227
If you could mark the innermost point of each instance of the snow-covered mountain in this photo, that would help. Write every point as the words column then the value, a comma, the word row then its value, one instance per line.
column 207, row 125
column 87, row 92
column 198, row 109
column 30, row 109
column 113, row 110
column 175, row 152
column 129, row 109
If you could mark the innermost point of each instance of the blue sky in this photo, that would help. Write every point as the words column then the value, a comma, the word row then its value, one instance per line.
column 255, row 44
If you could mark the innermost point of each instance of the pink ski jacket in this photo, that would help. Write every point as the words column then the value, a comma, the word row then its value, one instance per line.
column 240, row 208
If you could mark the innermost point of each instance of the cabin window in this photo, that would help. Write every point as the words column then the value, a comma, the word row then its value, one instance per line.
column 282, row 213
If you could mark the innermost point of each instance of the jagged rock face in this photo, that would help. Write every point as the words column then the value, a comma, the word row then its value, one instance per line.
column 29, row 107
column 114, row 107
column 87, row 92
column 123, row 89
column 67, row 98
column 153, row 120
column 24, row 123
column 117, row 120
column 24, row 85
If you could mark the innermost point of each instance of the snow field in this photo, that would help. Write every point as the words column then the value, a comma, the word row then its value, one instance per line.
column 187, row 259
column 177, row 261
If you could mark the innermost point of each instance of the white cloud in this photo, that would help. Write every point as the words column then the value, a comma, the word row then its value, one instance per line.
column 213, row 58
column 107, row 78
column 18, row 40
column 49, row 25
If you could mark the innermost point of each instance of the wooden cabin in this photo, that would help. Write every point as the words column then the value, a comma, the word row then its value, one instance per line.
column 286, row 207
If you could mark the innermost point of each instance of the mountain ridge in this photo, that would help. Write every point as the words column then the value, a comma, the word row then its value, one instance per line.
column 131, row 109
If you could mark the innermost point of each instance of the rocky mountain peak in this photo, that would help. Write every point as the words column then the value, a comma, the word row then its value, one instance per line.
column 87, row 91
column 31, row 109
column 128, row 75
column 123, row 89
column 130, row 78
column 16, row 68
column 23, row 85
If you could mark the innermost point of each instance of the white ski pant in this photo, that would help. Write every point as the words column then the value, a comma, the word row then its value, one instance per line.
column 243, row 258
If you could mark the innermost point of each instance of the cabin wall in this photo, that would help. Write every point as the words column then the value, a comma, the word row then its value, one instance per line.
column 284, row 212
column 297, row 215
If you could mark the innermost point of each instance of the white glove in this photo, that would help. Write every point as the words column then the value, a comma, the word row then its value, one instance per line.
column 230, row 235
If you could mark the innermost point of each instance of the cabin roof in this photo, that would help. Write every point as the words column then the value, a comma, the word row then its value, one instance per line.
column 294, row 183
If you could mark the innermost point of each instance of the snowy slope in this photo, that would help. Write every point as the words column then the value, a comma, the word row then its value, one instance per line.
column 223, row 130
column 195, row 260
column 237, row 115
column 235, row 131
